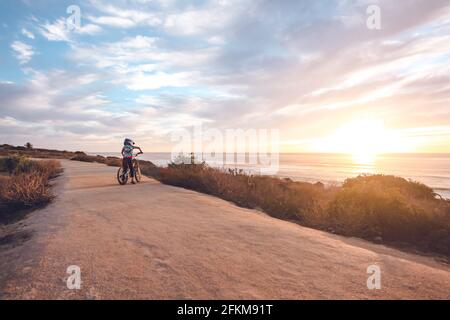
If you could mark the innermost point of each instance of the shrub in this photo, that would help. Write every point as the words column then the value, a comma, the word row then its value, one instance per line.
column 8, row 150
column 80, row 156
column 392, row 208
column 296, row 201
column 28, row 183
column 148, row 168
column 9, row 164
column 21, row 165
column 26, row 190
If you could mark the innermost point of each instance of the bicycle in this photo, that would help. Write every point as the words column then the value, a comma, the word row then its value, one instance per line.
column 122, row 175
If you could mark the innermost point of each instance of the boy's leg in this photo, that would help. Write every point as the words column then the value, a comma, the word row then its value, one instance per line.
column 125, row 165
column 130, row 166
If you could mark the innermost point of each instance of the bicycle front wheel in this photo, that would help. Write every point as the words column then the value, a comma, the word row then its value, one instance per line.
column 137, row 172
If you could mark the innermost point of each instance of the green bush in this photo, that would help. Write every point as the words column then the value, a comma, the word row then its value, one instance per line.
column 9, row 164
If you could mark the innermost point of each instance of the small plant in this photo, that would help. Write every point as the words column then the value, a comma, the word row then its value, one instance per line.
column 181, row 160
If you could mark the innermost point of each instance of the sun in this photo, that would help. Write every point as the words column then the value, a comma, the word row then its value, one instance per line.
column 363, row 139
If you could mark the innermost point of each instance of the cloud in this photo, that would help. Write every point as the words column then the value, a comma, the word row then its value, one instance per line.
column 62, row 107
column 138, row 42
column 27, row 33
column 24, row 52
column 113, row 21
column 142, row 81
column 88, row 29
column 123, row 18
column 58, row 31
column 198, row 21
column 128, row 50
column 142, row 63
column 305, row 66
column 258, row 62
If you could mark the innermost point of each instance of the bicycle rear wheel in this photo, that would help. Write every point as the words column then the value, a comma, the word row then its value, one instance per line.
column 122, row 177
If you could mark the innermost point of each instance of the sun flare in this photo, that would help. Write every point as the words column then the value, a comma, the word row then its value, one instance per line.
column 363, row 139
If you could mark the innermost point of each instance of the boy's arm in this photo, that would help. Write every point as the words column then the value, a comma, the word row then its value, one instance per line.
column 122, row 151
column 138, row 149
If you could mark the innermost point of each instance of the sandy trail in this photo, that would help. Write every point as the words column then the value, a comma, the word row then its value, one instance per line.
column 152, row 241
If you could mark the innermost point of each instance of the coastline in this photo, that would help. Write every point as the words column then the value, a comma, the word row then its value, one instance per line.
column 333, row 169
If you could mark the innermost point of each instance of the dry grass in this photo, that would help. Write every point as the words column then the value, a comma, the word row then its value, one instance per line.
column 377, row 208
column 8, row 150
column 26, row 190
column 281, row 198
column 81, row 156
column 109, row 161
column 392, row 209
column 27, row 182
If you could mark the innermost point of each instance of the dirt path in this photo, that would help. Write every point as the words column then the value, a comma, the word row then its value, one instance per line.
column 154, row 241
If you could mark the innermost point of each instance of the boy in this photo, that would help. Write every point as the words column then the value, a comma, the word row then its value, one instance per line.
column 127, row 153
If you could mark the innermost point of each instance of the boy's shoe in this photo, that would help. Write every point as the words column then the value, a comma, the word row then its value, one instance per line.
column 132, row 181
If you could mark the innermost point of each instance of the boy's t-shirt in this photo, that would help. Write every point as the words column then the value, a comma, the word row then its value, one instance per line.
column 128, row 151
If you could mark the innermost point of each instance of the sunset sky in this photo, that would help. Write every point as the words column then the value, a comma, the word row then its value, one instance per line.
column 143, row 68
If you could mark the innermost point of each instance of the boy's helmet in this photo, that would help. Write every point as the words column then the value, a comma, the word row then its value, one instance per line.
column 128, row 142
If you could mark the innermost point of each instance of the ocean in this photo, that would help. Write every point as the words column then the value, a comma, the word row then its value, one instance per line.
column 430, row 169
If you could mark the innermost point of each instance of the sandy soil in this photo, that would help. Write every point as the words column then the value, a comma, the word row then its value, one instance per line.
column 152, row 241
